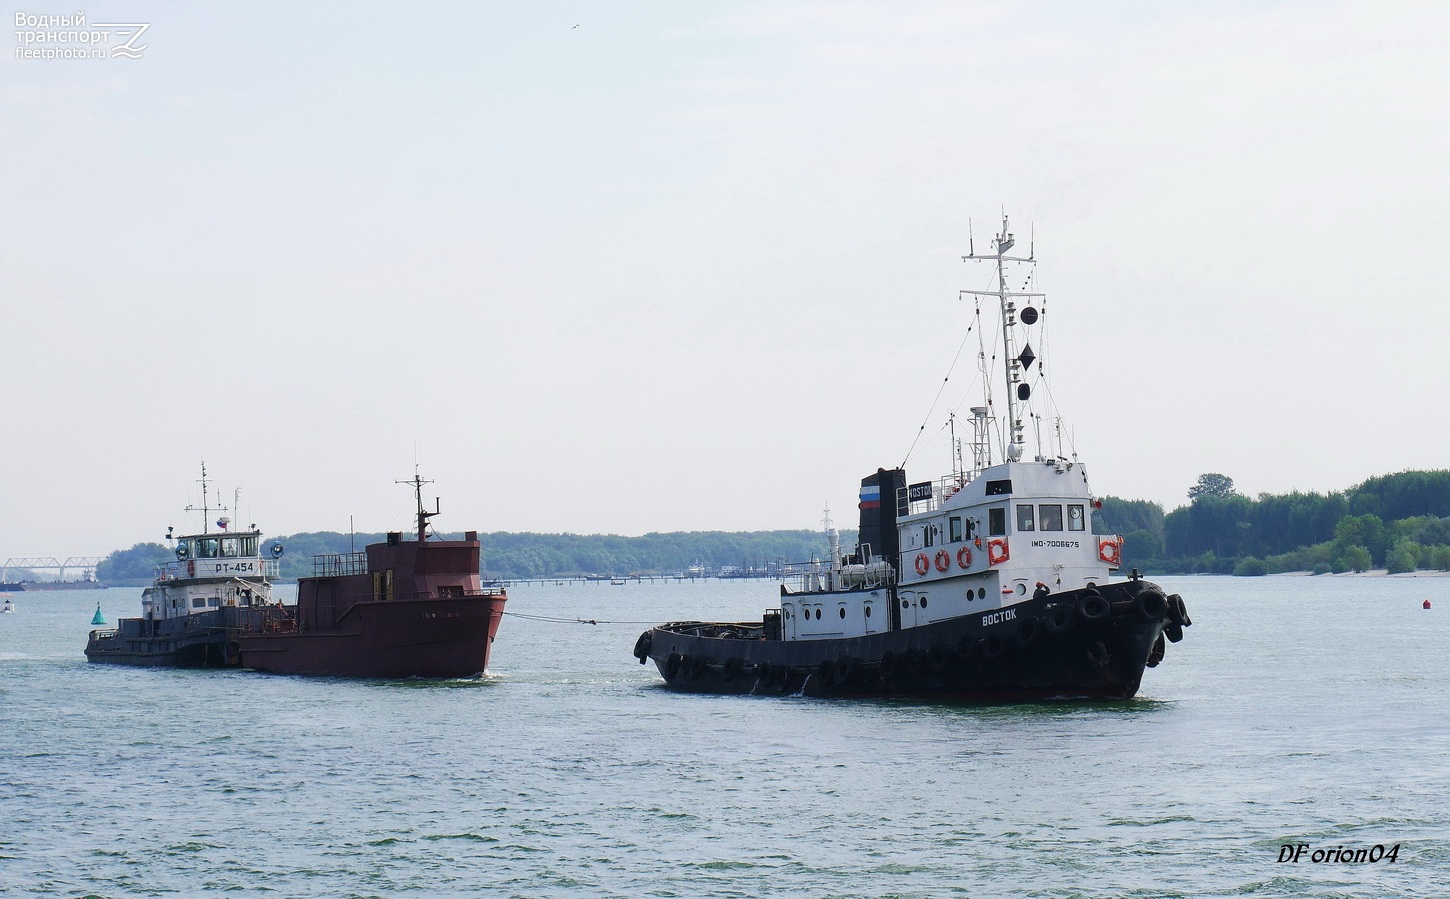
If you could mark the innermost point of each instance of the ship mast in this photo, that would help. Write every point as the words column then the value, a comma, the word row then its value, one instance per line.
column 1012, row 364
column 205, row 509
column 423, row 516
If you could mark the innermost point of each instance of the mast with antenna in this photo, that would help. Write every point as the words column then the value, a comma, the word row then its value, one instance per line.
column 1013, row 366
column 205, row 509
column 423, row 516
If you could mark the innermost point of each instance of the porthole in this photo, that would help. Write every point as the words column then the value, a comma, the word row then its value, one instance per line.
column 1021, row 589
column 905, row 604
column 981, row 592
column 843, row 611
column 818, row 611
column 868, row 611
column 923, row 602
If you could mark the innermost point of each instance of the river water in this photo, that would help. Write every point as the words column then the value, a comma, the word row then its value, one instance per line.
column 1298, row 710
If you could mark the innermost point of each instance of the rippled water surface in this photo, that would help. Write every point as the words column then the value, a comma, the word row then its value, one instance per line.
column 1298, row 710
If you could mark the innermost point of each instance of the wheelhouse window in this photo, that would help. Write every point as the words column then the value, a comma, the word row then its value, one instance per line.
column 955, row 526
column 1076, row 520
column 207, row 547
column 249, row 546
column 996, row 522
column 229, row 546
column 1050, row 517
column 1024, row 518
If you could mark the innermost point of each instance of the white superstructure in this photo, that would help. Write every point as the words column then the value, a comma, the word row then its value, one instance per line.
column 977, row 541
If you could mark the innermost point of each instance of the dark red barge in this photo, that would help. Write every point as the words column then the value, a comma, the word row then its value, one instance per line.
column 402, row 608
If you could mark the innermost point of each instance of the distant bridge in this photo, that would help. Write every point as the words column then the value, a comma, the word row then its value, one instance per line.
column 86, row 564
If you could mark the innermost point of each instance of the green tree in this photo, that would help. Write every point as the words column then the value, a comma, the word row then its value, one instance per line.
column 1355, row 558
column 133, row 567
column 1403, row 557
column 1141, row 546
column 1249, row 566
column 1212, row 484
column 1366, row 530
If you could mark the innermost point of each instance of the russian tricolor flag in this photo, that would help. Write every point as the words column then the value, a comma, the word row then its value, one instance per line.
column 871, row 497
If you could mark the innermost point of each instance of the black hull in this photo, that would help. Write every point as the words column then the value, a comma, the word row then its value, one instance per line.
column 1085, row 644
column 203, row 640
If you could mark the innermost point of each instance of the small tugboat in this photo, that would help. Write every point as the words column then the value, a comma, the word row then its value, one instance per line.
column 218, row 583
column 399, row 609
column 988, row 584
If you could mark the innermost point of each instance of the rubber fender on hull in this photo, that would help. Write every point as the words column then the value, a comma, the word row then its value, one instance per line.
column 967, row 646
column 732, row 668
column 1178, row 611
column 697, row 667
column 842, row 671
column 1028, row 630
column 1093, row 607
column 993, row 646
column 1151, row 605
column 1174, row 632
column 1158, row 651
column 938, row 657
column 1061, row 620
column 672, row 665
column 643, row 645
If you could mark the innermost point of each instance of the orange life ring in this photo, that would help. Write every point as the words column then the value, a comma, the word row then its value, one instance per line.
column 943, row 560
column 1110, row 551
column 964, row 557
column 997, row 551
column 921, row 563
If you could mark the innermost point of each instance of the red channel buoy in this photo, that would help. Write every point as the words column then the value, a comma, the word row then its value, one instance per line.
column 1427, row 604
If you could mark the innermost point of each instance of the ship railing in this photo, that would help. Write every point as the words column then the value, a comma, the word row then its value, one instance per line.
column 927, row 496
column 339, row 564
column 818, row 577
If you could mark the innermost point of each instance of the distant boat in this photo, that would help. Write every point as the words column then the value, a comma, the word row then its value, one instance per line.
column 616, row 582
column 9, row 606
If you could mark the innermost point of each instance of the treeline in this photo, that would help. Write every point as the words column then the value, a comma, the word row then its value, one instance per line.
column 509, row 556
column 1400, row 522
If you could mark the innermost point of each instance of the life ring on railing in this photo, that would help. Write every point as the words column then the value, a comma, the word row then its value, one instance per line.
column 943, row 560
column 964, row 557
column 1110, row 551
column 997, row 551
column 921, row 563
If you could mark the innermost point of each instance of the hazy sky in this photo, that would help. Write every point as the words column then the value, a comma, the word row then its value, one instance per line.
column 622, row 267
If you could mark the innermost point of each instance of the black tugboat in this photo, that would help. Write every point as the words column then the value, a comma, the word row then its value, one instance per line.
column 987, row 584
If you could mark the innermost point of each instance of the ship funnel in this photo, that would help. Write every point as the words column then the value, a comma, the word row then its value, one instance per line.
column 883, row 496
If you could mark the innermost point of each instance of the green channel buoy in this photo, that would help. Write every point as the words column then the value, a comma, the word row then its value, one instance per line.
column 98, row 618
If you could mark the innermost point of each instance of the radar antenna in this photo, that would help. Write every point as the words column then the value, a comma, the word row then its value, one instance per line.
column 417, row 482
